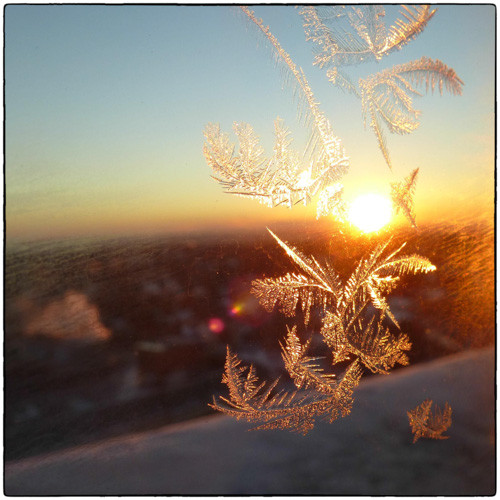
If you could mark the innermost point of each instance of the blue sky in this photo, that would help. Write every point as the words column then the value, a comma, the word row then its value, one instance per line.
column 106, row 106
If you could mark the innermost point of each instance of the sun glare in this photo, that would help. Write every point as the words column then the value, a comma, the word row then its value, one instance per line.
column 370, row 212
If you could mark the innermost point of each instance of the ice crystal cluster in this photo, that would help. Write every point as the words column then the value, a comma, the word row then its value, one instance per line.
column 286, row 177
column 282, row 179
column 347, row 35
column 357, row 325
column 345, row 330
column 424, row 424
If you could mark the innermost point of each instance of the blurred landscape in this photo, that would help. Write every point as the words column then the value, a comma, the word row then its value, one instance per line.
column 109, row 337
column 368, row 453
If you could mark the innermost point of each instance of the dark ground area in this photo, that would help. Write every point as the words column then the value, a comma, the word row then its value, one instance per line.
column 106, row 338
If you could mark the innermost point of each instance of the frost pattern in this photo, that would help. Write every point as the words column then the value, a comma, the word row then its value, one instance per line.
column 327, row 151
column 425, row 424
column 348, row 35
column 357, row 324
column 253, row 401
column 343, row 35
column 282, row 179
column 344, row 330
column 402, row 196
column 386, row 97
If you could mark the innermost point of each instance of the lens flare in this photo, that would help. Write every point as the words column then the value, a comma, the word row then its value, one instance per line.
column 216, row 325
column 370, row 212
column 236, row 309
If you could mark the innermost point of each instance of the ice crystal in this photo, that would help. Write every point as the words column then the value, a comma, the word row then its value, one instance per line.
column 283, row 179
column 402, row 196
column 374, row 276
column 296, row 411
column 344, row 331
column 347, row 35
column 304, row 370
column 288, row 178
column 279, row 180
column 357, row 324
column 327, row 149
column 317, row 286
column 424, row 424
column 331, row 202
column 376, row 348
column 386, row 95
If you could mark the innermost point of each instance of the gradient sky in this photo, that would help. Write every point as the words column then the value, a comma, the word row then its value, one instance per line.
column 106, row 106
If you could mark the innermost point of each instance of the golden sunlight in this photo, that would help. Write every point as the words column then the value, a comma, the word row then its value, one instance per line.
column 370, row 212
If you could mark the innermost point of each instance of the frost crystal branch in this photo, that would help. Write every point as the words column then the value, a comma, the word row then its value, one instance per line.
column 347, row 35
column 304, row 370
column 424, row 424
column 281, row 179
column 317, row 286
column 386, row 96
column 402, row 196
column 321, row 285
column 357, row 324
column 344, row 331
column 294, row 411
column 328, row 152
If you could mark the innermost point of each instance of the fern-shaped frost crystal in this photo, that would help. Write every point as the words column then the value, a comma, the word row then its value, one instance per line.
column 402, row 196
column 343, row 304
column 375, row 347
column 386, row 97
column 278, row 180
column 304, row 370
column 329, row 159
column 317, row 286
column 346, row 35
column 320, row 285
column 425, row 424
column 295, row 411
column 344, row 331
column 355, row 314
column 282, row 179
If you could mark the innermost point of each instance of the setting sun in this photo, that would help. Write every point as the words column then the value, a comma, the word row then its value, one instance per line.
column 370, row 212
